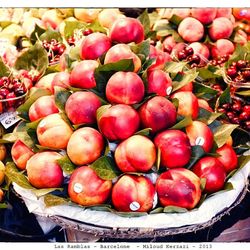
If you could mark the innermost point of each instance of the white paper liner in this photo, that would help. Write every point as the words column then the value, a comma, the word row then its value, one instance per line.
column 209, row 208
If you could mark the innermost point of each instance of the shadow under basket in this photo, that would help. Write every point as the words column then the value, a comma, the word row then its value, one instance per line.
column 83, row 232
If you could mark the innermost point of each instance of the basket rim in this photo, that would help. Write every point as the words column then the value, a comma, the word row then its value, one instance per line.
column 137, row 232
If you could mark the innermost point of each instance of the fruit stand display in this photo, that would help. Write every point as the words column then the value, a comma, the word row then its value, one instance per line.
column 125, row 126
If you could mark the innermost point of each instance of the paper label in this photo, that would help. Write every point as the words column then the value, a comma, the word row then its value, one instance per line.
column 134, row 206
column 9, row 118
column 200, row 141
column 78, row 188
column 169, row 90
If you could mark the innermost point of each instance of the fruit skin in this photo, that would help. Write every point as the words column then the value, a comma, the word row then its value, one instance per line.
column 86, row 15
column 2, row 152
column 188, row 104
column 122, row 51
column 119, row 122
column 2, row 174
column 133, row 189
column 94, row 46
column 127, row 30
column 200, row 130
column 228, row 157
column 42, row 107
column 221, row 28
column 200, row 49
column 128, row 159
column 125, row 88
column 52, row 131
column 210, row 168
column 204, row 15
column 224, row 12
column 190, row 29
column 175, row 148
column 50, row 18
column 159, row 82
column 204, row 104
column 157, row 113
column 187, row 87
column 178, row 187
column 82, row 75
column 94, row 191
column 81, row 107
column 1, row 195
column 61, row 79
column 20, row 154
column 85, row 146
column 43, row 171
column 168, row 44
column 108, row 16
column 46, row 82
column 222, row 47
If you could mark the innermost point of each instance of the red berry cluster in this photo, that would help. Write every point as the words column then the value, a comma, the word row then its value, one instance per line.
column 219, row 61
column 54, row 48
column 187, row 54
column 239, row 71
column 11, row 88
column 238, row 112
column 72, row 40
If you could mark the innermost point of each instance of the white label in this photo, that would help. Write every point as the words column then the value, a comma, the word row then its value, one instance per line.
column 78, row 188
column 169, row 90
column 134, row 206
column 155, row 200
column 200, row 141
column 9, row 118
column 42, row 123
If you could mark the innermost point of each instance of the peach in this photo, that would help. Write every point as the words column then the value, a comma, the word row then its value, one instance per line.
column 188, row 104
column 168, row 44
column 178, row 187
column 175, row 148
column 108, row 16
column 187, row 87
column 213, row 171
column 81, row 107
column 222, row 47
column 46, row 82
column 224, row 12
column 119, row 122
column 181, row 12
column 159, row 82
column 190, row 29
column 94, row 45
column 200, row 49
column 52, row 131
column 87, row 188
column 200, row 134
column 227, row 157
column 82, row 75
column 133, row 193
column 86, row 15
column 122, row 51
column 85, row 146
column 61, row 79
column 177, row 48
column 160, row 58
column 43, row 171
column 221, row 28
column 125, row 88
column 242, row 13
column 2, row 152
column 157, row 113
column 204, row 104
column 128, row 159
column 42, row 107
column 204, row 15
column 51, row 18
column 1, row 195
column 20, row 154
column 2, row 174
column 127, row 30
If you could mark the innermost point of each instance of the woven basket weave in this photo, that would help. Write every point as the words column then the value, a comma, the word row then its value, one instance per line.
column 133, row 233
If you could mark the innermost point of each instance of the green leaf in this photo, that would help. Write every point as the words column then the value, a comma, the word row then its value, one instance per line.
column 183, row 123
column 131, row 214
column 61, row 97
column 203, row 183
column 144, row 132
column 44, row 148
column 73, row 26
column 225, row 97
column 157, row 210
column 145, row 21
column 34, row 58
column 23, row 110
column 142, row 48
column 3, row 205
column 50, row 34
column 37, row 32
column 223, row 132
column 176, row 20
column 4, row 70
column 4, row 24
column 53, row 68
column 101, row 207
column 174, row 67
column 206, row 116
column 105, row 168
column 174, row 209
column 138, row 105
column 196, row 153
column 102, row 110
column 74, row 55
column 67, row 166
column 51, row 200
column 96, row 27
column 244, row 93
column 203, row 91
column 208, row 73
column 33, row 125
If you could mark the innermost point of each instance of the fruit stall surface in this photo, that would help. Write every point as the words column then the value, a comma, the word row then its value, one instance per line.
column 124, row 124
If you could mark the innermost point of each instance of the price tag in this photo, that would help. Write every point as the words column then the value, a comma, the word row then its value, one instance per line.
column 9, row 118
